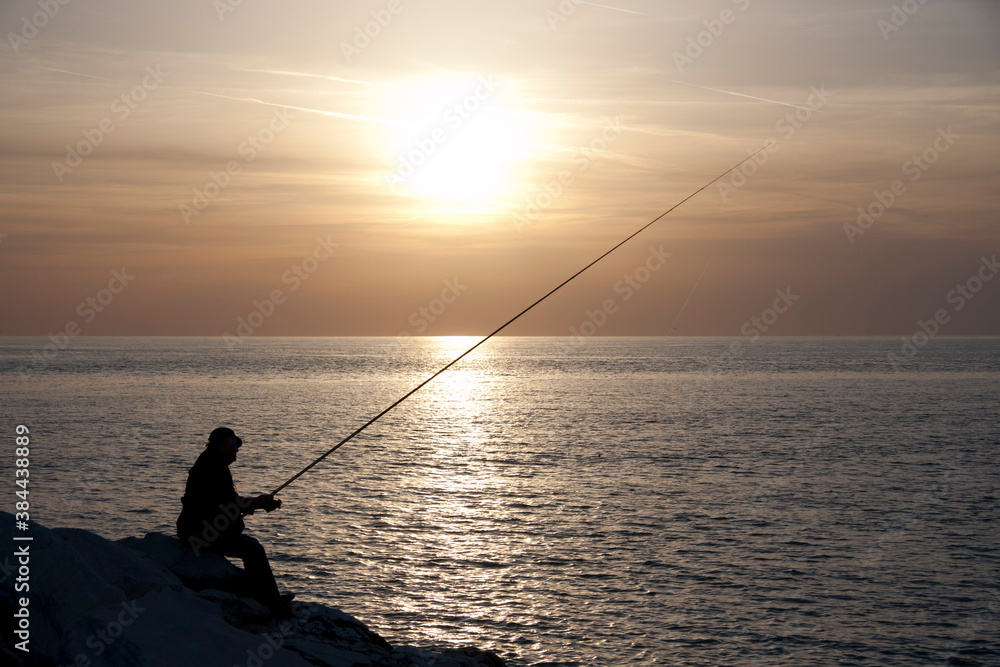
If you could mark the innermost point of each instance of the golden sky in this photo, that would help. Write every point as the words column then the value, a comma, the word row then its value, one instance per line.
column 433, row 166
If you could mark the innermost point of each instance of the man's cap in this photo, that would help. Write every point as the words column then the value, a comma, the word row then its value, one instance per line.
column 219, row 435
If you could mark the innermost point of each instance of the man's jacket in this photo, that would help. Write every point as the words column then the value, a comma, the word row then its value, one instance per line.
column 212, row 509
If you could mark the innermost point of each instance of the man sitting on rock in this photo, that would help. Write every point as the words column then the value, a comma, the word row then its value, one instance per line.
column 212, row 516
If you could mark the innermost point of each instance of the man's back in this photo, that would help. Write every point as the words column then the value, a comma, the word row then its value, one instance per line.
column 210, row 495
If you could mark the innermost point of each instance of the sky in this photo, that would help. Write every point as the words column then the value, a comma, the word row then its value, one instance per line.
column 430, row 167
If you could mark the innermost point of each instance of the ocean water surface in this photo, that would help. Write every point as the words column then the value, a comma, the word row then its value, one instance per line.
column 615, row 501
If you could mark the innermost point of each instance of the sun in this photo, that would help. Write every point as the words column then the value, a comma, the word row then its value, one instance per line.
column 454, row 141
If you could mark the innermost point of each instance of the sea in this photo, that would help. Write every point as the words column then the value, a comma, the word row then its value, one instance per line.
column 597, row 501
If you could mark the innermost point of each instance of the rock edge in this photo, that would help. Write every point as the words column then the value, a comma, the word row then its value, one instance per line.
column 153, row 602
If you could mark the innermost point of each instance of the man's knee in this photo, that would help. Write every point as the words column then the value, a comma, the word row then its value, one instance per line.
column 248, row 548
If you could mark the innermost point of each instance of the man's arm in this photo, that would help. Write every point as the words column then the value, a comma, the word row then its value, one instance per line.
column 264, row 501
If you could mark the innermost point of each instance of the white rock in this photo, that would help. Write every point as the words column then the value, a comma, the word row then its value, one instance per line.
column 95, row 602
column 329, row 655
column 80, row 610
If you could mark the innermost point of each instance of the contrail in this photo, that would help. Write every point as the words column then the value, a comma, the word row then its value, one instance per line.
column 323, row 112
column 617, row 9
column 729, row 92
column 66, row 71
column 692, row 292
column 506, row 324
column 311, row 76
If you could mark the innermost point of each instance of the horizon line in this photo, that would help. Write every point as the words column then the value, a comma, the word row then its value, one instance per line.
column 737, row 336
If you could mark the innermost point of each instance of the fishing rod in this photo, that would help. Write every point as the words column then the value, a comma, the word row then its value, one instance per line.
column 504, row 326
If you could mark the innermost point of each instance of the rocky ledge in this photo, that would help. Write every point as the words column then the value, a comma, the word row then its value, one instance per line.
column 153, row 602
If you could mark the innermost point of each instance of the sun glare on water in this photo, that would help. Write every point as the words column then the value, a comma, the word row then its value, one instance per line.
column 454, row 144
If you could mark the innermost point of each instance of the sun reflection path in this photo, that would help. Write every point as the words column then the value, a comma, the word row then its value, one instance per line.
column 459, row 476
column 454, row 528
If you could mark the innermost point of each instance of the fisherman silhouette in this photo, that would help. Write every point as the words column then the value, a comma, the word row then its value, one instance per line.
column 212, row 516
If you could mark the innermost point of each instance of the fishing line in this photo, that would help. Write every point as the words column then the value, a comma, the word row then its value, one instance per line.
column 505, row 325
column 688, row 300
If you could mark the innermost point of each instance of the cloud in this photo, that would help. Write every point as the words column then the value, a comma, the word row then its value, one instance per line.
column 752, row 97
column 322, row 112
column 312, row 76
